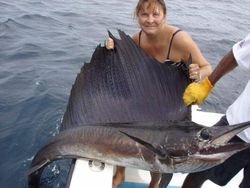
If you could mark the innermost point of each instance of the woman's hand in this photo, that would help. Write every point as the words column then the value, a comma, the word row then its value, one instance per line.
column 194, row 72
column 109, row 43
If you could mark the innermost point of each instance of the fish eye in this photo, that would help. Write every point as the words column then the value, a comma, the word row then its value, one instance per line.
column 205, row 134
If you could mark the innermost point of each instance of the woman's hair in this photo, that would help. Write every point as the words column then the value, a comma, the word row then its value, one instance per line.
column 140, row 4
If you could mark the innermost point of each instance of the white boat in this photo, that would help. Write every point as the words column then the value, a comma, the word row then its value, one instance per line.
column 88, row 174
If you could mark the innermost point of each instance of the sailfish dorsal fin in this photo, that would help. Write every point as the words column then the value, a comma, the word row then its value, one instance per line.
column 126, row 85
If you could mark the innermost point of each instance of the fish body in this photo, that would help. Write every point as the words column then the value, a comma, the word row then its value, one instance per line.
column 165, row 147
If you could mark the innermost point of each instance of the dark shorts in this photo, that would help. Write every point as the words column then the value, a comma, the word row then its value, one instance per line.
column 224, row 172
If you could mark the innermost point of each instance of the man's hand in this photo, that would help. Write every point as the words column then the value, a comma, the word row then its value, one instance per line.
column 197, row 92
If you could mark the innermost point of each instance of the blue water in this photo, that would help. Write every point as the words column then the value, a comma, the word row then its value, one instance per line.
column 43, row 44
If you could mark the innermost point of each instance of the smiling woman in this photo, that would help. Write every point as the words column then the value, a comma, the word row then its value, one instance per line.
column 164, row 42
column 151, row 16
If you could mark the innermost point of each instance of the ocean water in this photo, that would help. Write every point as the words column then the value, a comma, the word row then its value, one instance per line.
column 44, row 43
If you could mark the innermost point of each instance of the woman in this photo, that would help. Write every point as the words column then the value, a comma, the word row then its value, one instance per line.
column 167, row 44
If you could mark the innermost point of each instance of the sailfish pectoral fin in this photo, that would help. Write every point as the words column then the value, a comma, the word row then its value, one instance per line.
column 158, row 151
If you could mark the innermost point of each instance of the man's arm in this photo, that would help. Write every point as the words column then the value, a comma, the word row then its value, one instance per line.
column 226, row 64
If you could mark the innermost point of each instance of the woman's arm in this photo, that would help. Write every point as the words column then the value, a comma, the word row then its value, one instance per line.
column 200, row 68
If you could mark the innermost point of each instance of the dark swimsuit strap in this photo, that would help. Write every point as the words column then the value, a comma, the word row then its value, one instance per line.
column 171, row 41
column 139, row 42
column 170, row 44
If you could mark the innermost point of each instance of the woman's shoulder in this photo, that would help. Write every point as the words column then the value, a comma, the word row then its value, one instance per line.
column 178, row 35
column 178, row 32
column 135, row 36
column 182, row 37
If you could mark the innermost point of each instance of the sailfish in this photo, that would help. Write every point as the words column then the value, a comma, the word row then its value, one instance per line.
column 126, row 109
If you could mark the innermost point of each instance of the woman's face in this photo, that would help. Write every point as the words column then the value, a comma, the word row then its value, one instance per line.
column 151, row 18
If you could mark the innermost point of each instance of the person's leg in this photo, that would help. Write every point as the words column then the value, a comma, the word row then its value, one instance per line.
column 165, row 179
column 119, row 176
column 194, row 180
column 155, row 179
column 246, row 180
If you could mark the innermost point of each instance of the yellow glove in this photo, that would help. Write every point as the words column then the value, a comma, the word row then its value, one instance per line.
column 197, row 92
